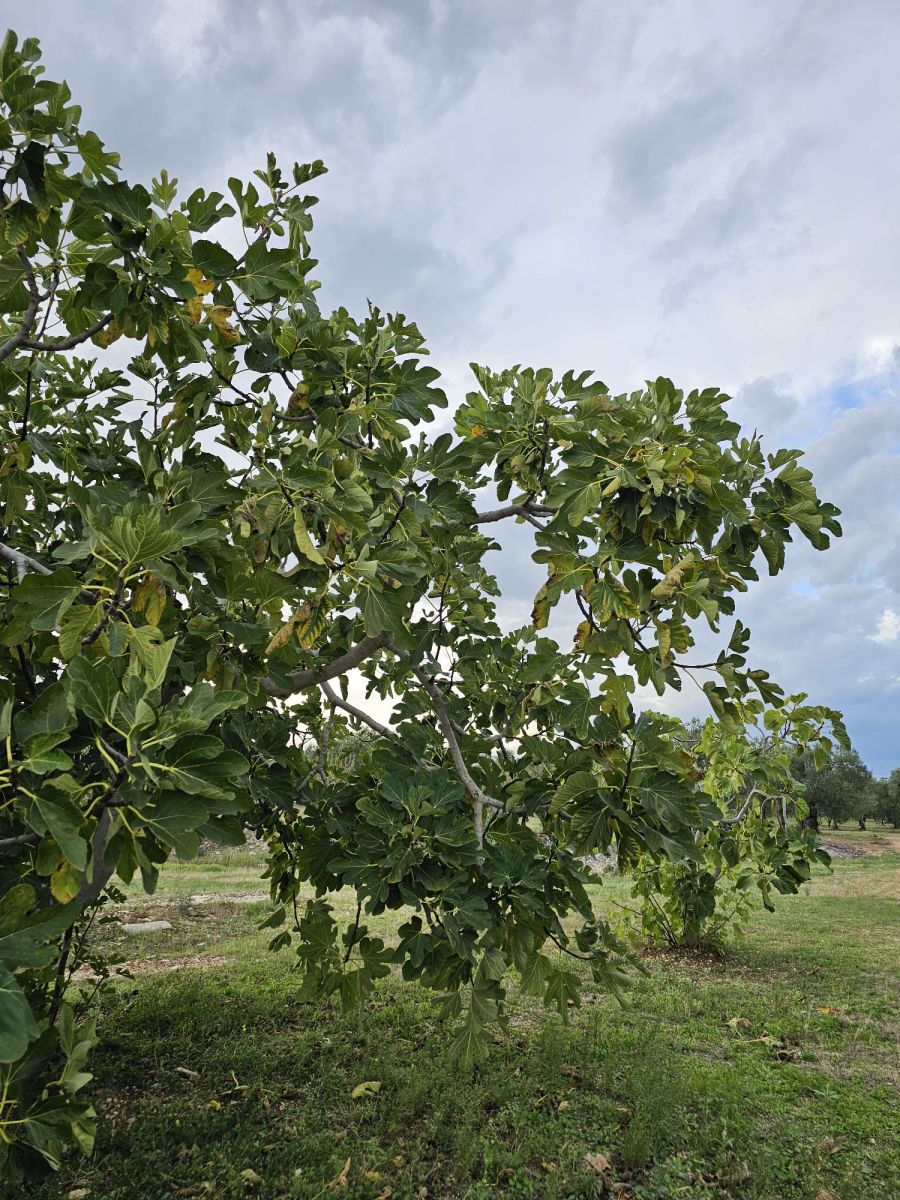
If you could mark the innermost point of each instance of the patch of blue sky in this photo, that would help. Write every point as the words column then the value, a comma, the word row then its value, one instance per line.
column 801, row 587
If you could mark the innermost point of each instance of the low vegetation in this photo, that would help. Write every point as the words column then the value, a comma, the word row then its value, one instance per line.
column 769, row 1072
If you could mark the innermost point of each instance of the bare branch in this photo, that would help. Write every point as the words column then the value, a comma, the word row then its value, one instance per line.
column 314, row 676
column 742, row 812
column 21, row 839
column 100, row 873
column 479, row 798
column 22, row 561
column 74, row 339
column 527, row 511
column 337, row 702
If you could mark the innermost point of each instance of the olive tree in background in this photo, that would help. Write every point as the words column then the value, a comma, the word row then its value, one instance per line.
column 839, row 789
column 217, row 502
column 886, row 806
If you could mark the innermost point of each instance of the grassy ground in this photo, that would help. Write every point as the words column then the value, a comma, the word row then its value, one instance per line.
column 772, row 1073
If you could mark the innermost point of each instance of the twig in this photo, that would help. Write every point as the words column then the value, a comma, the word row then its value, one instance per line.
column 21, row 839
column 338, row 702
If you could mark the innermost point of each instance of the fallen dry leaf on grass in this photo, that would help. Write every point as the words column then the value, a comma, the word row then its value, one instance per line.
column 362, row 1090
column 597, row 1162
column 831, row 1145
column 340, row 1180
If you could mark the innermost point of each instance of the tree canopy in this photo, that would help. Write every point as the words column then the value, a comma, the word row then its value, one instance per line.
column 840, row 788
column 218, row 501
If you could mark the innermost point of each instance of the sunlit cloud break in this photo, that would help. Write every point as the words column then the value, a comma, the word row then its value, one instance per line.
column 888, row 627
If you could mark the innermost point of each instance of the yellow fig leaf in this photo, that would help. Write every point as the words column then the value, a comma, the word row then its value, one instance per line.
column 194, row 310
column 202, row 285
column 111, row 333
column 664, row 638
column 582, row 633
column 219, row 315
column 149, row 597
column 305, row 544
column 299, row 398
column 670, row 583
column 65, row 882
column 309, row 621
column 281, row 638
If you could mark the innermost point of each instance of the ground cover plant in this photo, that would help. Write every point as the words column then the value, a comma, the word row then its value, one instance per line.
column 218, row 501
column 768, row 1073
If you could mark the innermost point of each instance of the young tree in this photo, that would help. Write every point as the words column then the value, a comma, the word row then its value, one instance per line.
column 755, row 844
column 218, row 501
column 839, row 789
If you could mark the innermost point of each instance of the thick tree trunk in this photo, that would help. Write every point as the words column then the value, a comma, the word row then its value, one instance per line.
column 811, row 820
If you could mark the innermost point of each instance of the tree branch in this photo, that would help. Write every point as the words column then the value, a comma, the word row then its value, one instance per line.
column 22, row 561
column 314, row 676
column 74, row 339
column 480, row 799
column 338, row 702
column 21, row 839
column 742, row 812
column 527, row 511
column 20, row 337
column 100, row 872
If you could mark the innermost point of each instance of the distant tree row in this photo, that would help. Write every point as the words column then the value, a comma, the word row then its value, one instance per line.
column 844, row 789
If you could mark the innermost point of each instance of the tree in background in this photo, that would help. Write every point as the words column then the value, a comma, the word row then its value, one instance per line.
column 839, row 789
column 757, row 845
column 217, row 501
column 887, row 799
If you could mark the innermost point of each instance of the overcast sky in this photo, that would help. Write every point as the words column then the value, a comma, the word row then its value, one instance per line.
column 700, row 189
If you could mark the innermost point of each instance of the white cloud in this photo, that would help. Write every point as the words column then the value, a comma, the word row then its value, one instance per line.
column 888, row 627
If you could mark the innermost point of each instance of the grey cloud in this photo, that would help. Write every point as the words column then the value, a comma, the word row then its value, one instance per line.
column 644, row 153
column 765, row 404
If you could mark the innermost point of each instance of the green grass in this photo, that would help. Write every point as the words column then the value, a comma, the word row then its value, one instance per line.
column 796, row 1098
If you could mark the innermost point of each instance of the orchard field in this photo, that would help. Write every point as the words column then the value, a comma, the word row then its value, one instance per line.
column 769, row 1072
